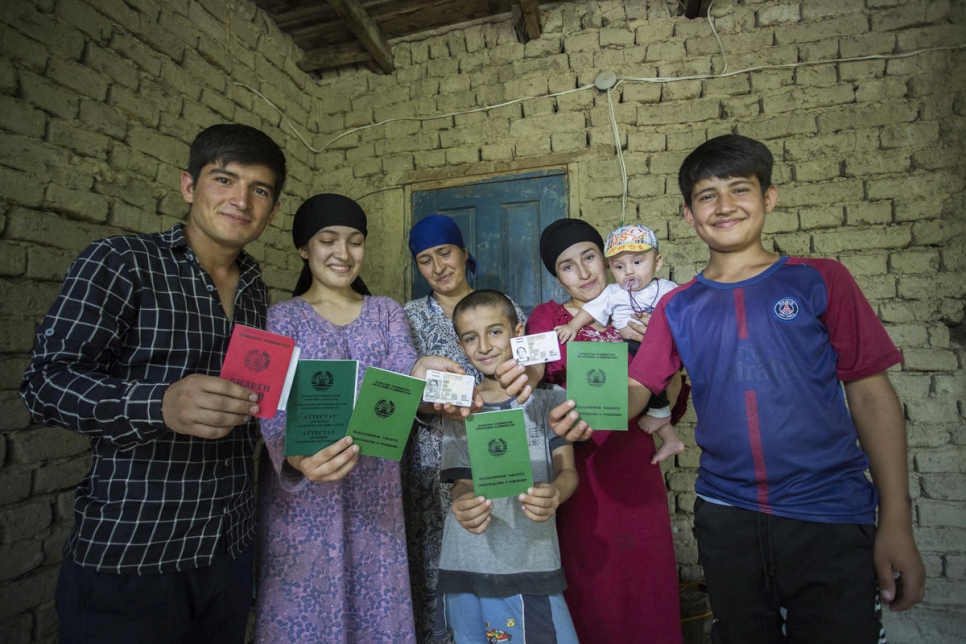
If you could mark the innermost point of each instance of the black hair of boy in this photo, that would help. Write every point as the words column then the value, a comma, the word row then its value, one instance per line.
column 486, row 298
column 725, row 157
column 236, row 143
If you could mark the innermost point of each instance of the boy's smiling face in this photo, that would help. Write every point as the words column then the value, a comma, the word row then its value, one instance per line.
column 729, row 214
column 484, row 336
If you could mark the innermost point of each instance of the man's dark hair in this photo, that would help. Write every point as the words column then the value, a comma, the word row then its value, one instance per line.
column 726, row 157
column 486, row 298
column 236, row 143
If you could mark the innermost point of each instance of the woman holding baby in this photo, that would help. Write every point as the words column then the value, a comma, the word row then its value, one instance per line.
column 615, row 532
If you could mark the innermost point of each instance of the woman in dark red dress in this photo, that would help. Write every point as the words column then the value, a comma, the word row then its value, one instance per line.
column 615, row 531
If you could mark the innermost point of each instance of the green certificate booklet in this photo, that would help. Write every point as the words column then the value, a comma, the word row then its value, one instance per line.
column 384, row 413
column 320, row 405
column 597, row 382
column 499, row 454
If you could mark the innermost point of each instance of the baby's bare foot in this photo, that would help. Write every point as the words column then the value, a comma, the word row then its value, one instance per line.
column 667, row 449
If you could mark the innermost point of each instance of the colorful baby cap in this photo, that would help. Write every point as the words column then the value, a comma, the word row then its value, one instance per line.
column 635, row 238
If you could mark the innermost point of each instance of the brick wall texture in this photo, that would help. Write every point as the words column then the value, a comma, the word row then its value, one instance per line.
column 862, row 102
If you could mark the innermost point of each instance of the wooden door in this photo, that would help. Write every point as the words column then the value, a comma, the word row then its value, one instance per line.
column 501, row 220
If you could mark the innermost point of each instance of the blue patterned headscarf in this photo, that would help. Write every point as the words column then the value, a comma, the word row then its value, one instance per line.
column 437, row 230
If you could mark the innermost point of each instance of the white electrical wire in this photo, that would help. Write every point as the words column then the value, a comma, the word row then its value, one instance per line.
column 610, row 105
column 724, row 58
column 485, row 108
column 613, row 118
column 617, row 147
column 280, row 112
column 828, row 61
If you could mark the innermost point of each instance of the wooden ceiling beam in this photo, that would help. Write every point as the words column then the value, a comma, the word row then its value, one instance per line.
column 335, row 56
column 531, row 18
column 311, row 13
column 696, row 8
column 366, row 30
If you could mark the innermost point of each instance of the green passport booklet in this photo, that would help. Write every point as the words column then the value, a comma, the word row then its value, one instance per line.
column 499, row 454
column 384, row 413
column 319, row 405
column 597, row 382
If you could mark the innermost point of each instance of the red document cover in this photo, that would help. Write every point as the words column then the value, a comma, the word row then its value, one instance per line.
column 260, row 361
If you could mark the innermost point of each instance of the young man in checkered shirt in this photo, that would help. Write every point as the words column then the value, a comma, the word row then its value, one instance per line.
column 162, row 545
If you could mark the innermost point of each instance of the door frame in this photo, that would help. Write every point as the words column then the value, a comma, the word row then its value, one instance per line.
column 573, row 192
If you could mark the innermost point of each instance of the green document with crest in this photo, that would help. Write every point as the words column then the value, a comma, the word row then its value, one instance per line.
column 384, row 412
column 320, row 405
column 499, row 453
column 597, row 382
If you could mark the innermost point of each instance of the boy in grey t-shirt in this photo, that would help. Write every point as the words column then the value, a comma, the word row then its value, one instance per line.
column 500, row 558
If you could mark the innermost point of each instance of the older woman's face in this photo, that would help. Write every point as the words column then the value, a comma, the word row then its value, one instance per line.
column 444, row 267
column 581, row 271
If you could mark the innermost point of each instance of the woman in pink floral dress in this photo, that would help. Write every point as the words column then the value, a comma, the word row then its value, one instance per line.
column 332, row 544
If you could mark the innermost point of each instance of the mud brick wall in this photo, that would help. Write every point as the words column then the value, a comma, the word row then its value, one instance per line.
column 862, row 102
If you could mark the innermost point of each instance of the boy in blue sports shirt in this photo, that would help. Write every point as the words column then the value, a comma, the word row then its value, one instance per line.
column 500, row 576
column 785, row 517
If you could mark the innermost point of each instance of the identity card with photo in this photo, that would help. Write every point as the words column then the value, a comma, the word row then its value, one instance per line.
column 536, row 348
column 445, row 387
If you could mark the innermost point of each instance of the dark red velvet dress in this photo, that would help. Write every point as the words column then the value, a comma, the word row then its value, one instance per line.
column 615, row 531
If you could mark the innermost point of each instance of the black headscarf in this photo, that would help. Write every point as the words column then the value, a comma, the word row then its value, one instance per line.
column 322, row 211
column 561, row 235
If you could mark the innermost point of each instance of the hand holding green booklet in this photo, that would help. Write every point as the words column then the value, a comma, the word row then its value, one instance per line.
column 319, row 405
column 499, row 453
column 384, row 412
column 597, row 382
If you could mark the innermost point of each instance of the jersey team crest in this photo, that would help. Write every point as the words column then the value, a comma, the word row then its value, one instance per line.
column 786, row 309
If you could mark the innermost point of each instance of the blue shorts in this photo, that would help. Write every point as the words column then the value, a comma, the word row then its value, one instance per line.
column 521, row 619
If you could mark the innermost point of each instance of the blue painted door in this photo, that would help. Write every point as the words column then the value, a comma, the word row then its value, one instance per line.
column 501, row 220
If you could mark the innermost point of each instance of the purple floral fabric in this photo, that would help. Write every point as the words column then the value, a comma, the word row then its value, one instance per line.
column 332, row 556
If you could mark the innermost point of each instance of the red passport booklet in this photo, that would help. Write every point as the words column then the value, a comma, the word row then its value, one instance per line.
column 260, row 361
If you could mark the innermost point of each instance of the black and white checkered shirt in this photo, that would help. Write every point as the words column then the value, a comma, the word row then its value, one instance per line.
column 135, row 314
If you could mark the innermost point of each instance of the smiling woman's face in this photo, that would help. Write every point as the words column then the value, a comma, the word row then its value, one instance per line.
column 444, row 268
column 335, row 255
column 581, row 271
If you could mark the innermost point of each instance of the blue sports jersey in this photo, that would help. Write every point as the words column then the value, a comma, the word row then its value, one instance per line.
column 766, row 357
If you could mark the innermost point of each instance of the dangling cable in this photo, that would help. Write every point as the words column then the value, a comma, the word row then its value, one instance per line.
column 620, row 153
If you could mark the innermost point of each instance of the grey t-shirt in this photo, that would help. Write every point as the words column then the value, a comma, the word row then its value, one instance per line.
column 514, row 555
